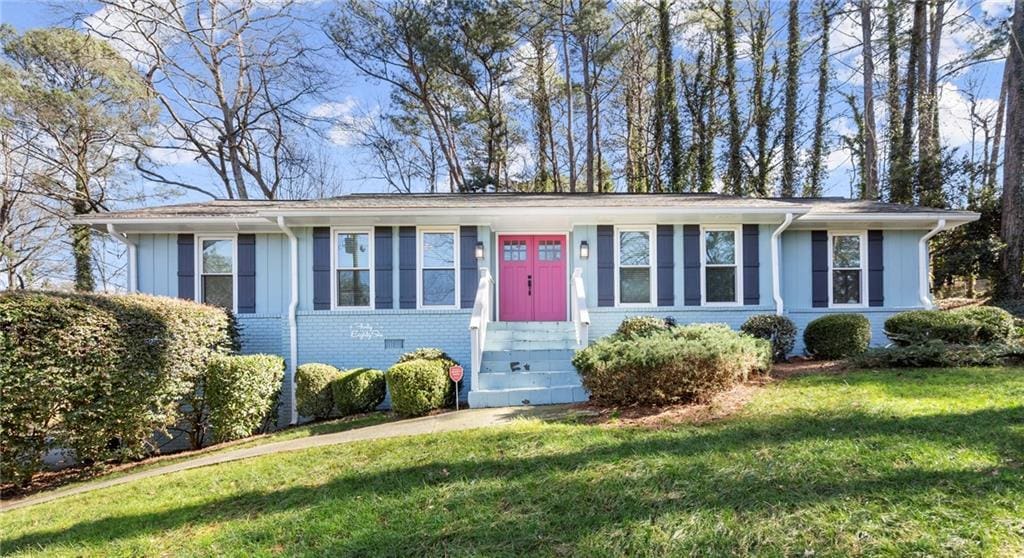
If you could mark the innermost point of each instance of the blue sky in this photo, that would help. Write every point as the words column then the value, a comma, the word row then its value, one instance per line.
column 355, row 95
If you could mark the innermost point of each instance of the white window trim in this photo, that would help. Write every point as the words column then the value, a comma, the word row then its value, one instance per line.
column 652, row 264
column 198, row 265
column 863, row 236
column 335, row 231
column 419, row 267
column 737, row 231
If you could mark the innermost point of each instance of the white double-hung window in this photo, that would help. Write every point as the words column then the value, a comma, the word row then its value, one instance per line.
column 217, row 270
column 720, row 257
column 438, row 262
column 634, row 259
column 846, row 268
column 353, row 278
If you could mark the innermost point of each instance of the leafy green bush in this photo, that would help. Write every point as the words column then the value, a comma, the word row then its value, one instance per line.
column 418, row 386
column 682, row 364
column 641, row 326
column 313, row 397
column 967, row 326
column 837, row 336
column 359, row 390
column 97, row 374
column 242, row 393
column 777, row 330
column 427, row 353
column 935, row 353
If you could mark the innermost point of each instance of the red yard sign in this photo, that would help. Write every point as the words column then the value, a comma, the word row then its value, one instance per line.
column 455, row 373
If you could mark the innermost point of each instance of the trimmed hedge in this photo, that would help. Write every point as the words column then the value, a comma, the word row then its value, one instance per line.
column 418, row 386
column 935, row 353
column 677, row 365
column 837, row 336
column 313, row 396
column 359, row 390
column 777, row 330
column 242, row 394
column 966, row 326
column 97, row 374
column 641, row 326
column 428, row 353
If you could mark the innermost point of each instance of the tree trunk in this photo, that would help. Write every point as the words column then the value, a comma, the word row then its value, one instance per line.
column 997, row 134
column 903, row 175
column 568, row 99
column 81, row 235
column 870, row 171
column 734, row 173
column 789, row 126
column 588, row 107
column 930, row 177
column 892, row 93
column 813, row 188
column 1012, row 228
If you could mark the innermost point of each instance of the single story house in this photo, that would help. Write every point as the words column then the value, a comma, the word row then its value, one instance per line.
column 511, row 284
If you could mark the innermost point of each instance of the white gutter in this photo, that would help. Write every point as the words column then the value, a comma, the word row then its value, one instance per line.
column 132, row 282
column 293, row 339
column 922, row 264
column 776, row 241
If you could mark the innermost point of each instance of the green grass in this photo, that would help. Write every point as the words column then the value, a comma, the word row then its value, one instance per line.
column 871, row 463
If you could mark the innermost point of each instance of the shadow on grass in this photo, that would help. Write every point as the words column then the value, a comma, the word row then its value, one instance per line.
column 501, row 499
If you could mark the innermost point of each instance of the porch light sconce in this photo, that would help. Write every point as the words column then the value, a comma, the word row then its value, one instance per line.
column 479, row 251
column 584, row 250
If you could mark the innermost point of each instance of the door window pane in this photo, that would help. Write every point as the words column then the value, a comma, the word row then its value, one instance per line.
column 720, row 283
column 549, row 250
column 513, row 250
column 720, row 247
column 218, row 290
column 438, row 287
column 635, row 285
column 217, row 256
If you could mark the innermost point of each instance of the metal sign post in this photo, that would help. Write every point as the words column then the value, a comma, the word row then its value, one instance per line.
column 455, row 373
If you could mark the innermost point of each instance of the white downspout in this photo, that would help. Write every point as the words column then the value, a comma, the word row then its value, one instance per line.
column 132, row 282
column 293, row 339
column 922, row 264
column 776, row 240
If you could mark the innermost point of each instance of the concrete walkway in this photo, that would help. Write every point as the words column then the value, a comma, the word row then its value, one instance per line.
column 447, row 422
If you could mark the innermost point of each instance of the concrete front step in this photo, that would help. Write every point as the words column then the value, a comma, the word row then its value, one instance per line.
column 532, row 379
column 526, row 346
column 530, row 326
column 527, row 396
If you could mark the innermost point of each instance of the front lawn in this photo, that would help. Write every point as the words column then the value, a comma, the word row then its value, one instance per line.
column 865, row 463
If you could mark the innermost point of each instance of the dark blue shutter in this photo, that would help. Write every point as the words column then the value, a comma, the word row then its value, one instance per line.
column 605, row 265
column 691, row 264
column 751, row 263
column 407, row 267
column 383, row 276
column 666, row 266
column 187, row 266
column 876, row 293
column 321, row 268
column 819, row 269
column 467, row 266
column 246, row 274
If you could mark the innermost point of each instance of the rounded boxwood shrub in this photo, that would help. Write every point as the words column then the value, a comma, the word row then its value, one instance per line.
column 678, row 365
column 967, row 326
column 429, row 353
column 97, row 374
column 777, row 330
column 242, row 394
column 418, row 386
column 641, row 326
column 313, row 397
column 359, row 390
column 837, row 336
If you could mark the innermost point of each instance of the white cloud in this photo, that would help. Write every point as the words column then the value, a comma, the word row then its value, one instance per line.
column 955, row 114
column 345, row 119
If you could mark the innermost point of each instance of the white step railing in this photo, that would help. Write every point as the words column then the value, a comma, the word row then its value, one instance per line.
column 578, row 303
column 478, row 323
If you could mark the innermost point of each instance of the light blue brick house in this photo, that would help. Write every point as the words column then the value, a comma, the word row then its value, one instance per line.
column 511, row 284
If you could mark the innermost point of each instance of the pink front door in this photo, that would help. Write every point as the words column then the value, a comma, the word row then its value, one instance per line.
column 532, row 279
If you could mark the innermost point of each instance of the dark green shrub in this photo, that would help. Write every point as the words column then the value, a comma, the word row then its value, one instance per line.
column 97, row 374
column 683, row 364
column 418, row 386
column 935, row 353
column 641, row 326
column 242, row 393
column 359, row 390
column 777, row 330
column 313, row 397
column 837, row 336
column 427, row 353
column 967, row 326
